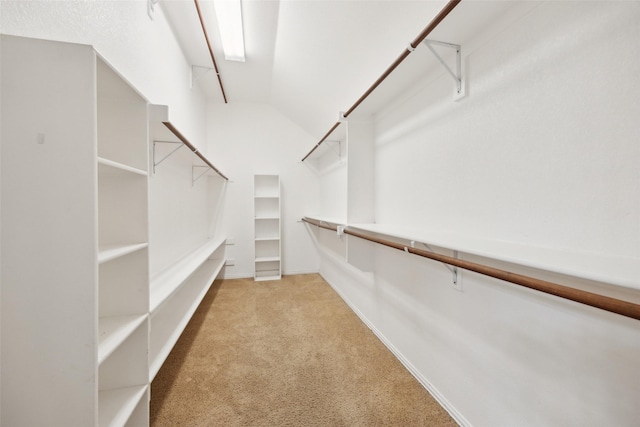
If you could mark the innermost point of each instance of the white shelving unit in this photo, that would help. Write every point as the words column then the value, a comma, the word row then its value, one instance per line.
column 75, row 240
column 267, row 225
column 175, row 295
column 123, row 258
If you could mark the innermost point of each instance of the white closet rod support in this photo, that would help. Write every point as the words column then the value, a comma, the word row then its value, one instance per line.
column 457, row 75
column 196, row 76
column 455, row 273
column 194, row 178
column 167, row 156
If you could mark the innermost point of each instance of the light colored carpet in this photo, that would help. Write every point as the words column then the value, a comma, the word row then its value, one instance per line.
column 285, row 353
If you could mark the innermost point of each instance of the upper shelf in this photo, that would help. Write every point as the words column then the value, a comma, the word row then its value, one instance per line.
column 163, row 130
column 462, row 26
column 616, row 270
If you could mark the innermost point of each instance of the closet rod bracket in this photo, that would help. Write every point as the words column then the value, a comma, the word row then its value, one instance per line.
column 197, row 72
column 194, row 178
column 156, row 163
column 459, row 90
column 336, row 147
column 456, row 274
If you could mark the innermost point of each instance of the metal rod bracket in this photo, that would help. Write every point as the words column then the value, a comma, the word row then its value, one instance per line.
column 456, row 274
column 156, row 163
column 459, row 89
column 197, row 72
column 194, row 178
column 337, row 148
column 151, row 7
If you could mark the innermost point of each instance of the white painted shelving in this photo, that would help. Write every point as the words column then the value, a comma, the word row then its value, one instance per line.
column 75, row 202
column 267, row 226
column 88, row 320
column 175, row 295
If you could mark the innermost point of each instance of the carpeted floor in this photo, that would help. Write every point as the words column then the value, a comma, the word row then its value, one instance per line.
column 285, row 353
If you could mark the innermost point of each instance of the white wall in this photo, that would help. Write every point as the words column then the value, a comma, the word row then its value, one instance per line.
column 182, row 214
column 543, row 151
column 253, row 139
column 143, row 50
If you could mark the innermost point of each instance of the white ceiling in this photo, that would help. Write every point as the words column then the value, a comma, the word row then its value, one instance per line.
column 311, row 59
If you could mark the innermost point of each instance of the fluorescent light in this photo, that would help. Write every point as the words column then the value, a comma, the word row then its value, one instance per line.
column 229, row 14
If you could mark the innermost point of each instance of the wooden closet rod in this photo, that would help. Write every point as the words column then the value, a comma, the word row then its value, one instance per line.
column 613, row 305
column 213, row 59
column 419, row 39
column 186, row 142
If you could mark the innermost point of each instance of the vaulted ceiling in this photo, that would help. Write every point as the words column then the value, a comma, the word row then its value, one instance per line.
column 311, row 59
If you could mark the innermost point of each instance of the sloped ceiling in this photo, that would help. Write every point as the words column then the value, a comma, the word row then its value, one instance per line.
column 310, row 59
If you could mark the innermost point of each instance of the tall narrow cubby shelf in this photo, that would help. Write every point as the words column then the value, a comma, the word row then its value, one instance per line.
column 123, row 256
column 75, row 327
column 268, row 245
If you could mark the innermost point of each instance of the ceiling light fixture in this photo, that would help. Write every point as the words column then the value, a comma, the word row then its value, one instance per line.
column 229, row 14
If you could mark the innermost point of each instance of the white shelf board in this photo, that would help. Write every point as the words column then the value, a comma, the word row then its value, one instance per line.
column 268, row 275
column 207, row 274
column 268, row 259
column 167, row 282
column 110, row 252
column 109, row 166
column 265, row 278
column 268, row 217
column 617, row 270
column 116, row 406
column 113, row 330
column 267, row 197
column 264, row 239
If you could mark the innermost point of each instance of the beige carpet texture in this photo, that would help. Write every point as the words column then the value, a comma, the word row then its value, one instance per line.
column 285, row 353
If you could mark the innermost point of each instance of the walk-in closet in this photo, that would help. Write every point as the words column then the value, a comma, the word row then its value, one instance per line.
column 331, row 212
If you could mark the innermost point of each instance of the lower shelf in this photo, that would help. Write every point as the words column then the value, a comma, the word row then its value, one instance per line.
column 168, row 322
column 116, row 406
column 170, row 280
column 260, row 278
column 267, row 270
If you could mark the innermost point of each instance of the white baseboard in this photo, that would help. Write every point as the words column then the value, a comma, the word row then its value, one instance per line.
column 291, row 273
column 236, row 276
column 457, row 416
column 250, row 275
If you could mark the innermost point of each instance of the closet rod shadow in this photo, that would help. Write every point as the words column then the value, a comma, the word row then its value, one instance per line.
column 186, row 142
column 419, row 39
column 213, row 59
column 613, row 305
